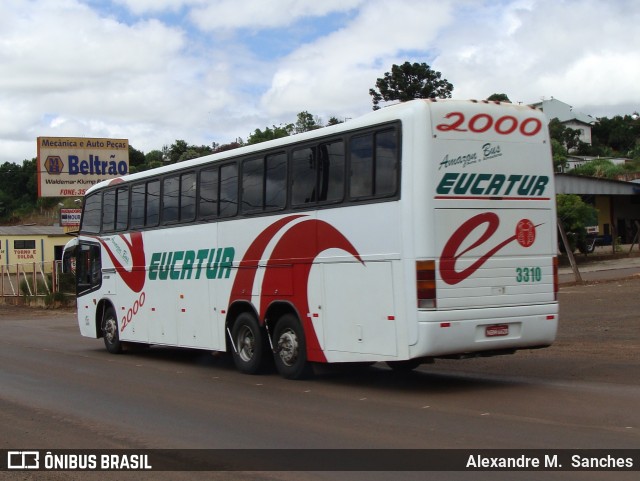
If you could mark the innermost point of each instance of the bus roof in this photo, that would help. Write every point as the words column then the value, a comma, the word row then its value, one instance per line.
column 386, row 114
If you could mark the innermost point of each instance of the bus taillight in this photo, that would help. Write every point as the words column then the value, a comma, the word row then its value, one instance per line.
column 426, row 284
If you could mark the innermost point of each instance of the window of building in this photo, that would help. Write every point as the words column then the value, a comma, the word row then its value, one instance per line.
column 24, row 244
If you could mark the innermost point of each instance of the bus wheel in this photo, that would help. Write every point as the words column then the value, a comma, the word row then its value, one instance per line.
column 110, row 332
column 249, row 344
column 404, row 366
column 290, row 349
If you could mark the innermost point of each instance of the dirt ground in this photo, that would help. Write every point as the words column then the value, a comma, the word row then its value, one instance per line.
column 598, row 342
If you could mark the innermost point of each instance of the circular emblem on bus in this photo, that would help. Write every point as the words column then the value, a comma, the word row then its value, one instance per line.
column 525, row 233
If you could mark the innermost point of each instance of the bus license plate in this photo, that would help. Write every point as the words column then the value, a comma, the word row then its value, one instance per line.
column 497, row 330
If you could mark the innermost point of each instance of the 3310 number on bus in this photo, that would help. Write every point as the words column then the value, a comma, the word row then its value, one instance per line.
column 528, row 274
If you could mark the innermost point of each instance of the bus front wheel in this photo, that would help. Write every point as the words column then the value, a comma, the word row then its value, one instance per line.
column 248, row 343
column 110, row 332
column 290, row 349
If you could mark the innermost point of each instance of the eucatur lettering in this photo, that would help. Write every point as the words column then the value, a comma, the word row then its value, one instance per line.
column 179, row 265
column 455, row 183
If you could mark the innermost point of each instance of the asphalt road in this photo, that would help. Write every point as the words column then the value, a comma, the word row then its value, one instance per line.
column 59, row 390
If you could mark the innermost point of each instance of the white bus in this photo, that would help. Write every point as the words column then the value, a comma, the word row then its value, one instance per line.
column 420, row 231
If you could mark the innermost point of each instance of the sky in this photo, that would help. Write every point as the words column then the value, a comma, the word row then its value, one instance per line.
column 204, row 71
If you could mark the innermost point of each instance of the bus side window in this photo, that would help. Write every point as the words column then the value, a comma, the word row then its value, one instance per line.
column 303, row 176
column 92, row 213
column 361, row 163
column 187, row 197
column 122, row 208
column 209, row 193
column 374, row 165
column 138, row 194
column 228, row 190
column 386, row 163
column 108, row 210
column 170, row 199
column 331, row 176
column 276, row 181
column 153, row 204
column 252, row 185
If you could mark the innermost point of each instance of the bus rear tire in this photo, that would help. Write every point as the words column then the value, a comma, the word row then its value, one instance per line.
column 291, row 349
column 248, row 340
column 110, row 332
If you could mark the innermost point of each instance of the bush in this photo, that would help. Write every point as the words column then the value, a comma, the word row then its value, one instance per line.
column 575, row 215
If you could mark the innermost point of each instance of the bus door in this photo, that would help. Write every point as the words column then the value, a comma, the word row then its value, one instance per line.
column 88, row 268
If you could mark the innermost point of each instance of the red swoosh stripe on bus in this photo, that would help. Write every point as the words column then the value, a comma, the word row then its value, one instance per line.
column 243, row 283
column 302, row 243
column 136, row 276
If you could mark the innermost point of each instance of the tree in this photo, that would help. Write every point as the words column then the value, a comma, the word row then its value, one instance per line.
column 568, row 137
column 575, row 215
column 498, row 98
column 601, row 168
column 269, row 134
column 19, row 190
column 190, row 154
column 175, row 151
column 152, row 159
column 180, row 151
column 306, row 122
column 410, row 81
column 559, row 152
column 136, row 157
column 621, row 133
column 153, row 156
column 230, row 146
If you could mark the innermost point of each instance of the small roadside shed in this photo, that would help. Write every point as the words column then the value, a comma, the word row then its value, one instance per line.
column 31, row 243
column 617, row 202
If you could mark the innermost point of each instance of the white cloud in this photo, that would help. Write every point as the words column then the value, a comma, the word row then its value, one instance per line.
column 335, row 73
column 96, row 76
column 233, row 14
column 582, row 52
column 141, row 7
column 154, row 71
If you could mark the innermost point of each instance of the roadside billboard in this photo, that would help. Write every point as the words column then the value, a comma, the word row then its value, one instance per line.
column 70, row 217
column 68, row 166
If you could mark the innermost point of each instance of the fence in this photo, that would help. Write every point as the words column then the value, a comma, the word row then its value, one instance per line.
column 34, row 279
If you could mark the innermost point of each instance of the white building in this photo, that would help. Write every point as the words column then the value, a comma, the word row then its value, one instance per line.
column 568, row 117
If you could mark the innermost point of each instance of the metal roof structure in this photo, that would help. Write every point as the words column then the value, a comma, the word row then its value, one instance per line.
column 18, row 230
column 581, row 185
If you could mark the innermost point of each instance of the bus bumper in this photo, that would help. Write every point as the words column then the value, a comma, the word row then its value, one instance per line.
column 452, row 333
